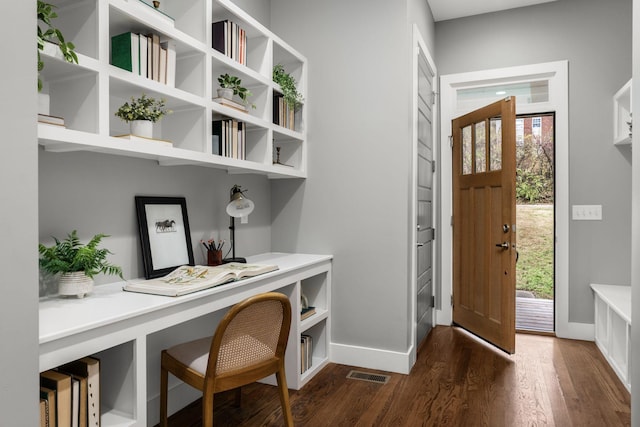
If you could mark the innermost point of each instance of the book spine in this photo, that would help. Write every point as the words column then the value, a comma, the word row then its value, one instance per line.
column 216, row 141
column 170, row 46
column 121, row 51
column 143, row 55
column 219, row 36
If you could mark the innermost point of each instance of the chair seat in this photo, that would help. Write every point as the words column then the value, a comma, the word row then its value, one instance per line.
column 195, row 354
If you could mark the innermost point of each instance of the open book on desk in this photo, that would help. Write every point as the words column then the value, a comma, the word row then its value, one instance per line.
column 186, row 279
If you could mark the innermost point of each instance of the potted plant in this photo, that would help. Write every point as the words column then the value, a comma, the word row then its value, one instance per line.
column 77, row 263
column 287, row 83
column 48, row 33
column 232, row 85
column 141, row 113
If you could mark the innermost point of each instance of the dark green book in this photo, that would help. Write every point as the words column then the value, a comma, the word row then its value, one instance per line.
column 125, row 51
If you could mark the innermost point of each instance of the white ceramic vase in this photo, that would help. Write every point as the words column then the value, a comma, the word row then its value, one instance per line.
column 143, row 128
column 225, row 93
column 43, row 103
column 75, row 284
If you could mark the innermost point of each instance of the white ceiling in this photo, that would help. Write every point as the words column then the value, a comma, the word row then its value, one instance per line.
column 451, row 9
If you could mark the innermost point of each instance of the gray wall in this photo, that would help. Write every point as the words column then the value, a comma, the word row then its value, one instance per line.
column 595, row 37
column 354, row 204
column 94, row 193
column 18, row 216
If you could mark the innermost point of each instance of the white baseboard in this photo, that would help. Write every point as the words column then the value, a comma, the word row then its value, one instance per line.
column 371, row 358
column 577, row 331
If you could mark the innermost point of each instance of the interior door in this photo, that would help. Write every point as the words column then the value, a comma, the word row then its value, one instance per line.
column 484, row 223
column 424, row 200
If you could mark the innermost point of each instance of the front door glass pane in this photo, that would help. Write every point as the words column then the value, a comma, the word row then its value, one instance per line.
column 495, row 144
column 466, row 150
column 481, row 147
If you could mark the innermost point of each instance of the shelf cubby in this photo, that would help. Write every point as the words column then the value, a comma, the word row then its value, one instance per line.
column 79, row 21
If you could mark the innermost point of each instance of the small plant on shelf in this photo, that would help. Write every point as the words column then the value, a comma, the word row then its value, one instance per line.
column 69, row 255
column 77, row 263
column 287, row 83
column 53, row 35
column 143, row 108
column 234, row 84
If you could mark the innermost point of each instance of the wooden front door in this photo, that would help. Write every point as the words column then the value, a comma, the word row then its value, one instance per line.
column 484, row 223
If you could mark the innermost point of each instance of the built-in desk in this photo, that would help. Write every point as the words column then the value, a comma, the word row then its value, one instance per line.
column 127, row 330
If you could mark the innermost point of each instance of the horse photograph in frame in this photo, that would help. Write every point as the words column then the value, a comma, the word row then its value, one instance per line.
column 164, row 234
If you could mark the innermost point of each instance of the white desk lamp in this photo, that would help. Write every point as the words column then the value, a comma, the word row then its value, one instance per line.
column 239, row 206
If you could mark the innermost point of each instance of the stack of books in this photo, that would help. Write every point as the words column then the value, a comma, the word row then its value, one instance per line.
column 283, row 114
column 230, row 40
column 51, row 120
column 306, row 352
column 307, row 312
column 146, row 56
column 229, row 138
column 70, row 394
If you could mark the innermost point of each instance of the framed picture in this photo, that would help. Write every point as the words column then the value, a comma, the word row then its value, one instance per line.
column 164, row 234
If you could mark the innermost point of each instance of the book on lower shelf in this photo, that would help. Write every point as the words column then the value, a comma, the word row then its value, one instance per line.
column 47, row 407
column 230, row 103
column 144, row 139
column 229, row 138
column 81, row 372
column 61, row 384
column 283, row 114
column 187, row 279
column 51, row 120
column 306, row 352
column 307, row 312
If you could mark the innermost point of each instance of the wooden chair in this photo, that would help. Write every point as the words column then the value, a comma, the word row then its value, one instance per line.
column 249, row 344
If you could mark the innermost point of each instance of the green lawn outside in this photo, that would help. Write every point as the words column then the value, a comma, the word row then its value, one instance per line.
column 534, row 270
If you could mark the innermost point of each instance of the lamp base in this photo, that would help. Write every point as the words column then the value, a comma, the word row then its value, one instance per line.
column 228, row 260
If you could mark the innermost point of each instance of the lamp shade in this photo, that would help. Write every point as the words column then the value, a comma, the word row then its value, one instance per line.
column 239, row 206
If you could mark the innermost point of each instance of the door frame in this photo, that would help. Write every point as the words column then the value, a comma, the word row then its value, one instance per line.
column 417, row 46
column 557, row 75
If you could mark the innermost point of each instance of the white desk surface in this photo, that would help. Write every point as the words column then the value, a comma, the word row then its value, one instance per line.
column 618, row 297
column 63, row 317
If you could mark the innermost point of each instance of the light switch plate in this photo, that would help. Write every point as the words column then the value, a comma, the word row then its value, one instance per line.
column 587, row 212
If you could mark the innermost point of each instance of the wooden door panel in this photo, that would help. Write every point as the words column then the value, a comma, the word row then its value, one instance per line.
column 484, row 200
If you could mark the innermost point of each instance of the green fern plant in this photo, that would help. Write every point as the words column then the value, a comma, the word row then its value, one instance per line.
column 69, row 255
column 287, row 83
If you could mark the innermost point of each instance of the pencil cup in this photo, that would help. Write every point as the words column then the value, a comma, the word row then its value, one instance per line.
column 214, row 257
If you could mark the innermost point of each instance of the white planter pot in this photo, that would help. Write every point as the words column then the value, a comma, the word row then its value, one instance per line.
column 143, row 128
column 43, row 103
column 225, row 93
column 75, row 284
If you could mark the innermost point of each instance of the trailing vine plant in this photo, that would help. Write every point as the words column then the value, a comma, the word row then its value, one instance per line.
column 292, row 97
column 53, row 35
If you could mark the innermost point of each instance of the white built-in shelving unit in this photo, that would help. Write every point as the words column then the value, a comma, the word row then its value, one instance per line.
column 613, row 327
column 87, row 94
column 127, row 331
column 622, row 115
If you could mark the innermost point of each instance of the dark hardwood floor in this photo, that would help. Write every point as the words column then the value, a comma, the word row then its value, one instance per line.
column 457, row 381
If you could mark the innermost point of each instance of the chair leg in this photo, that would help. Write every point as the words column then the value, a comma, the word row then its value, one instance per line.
column 164, row 380
column 284, row 397
column 207, row 409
